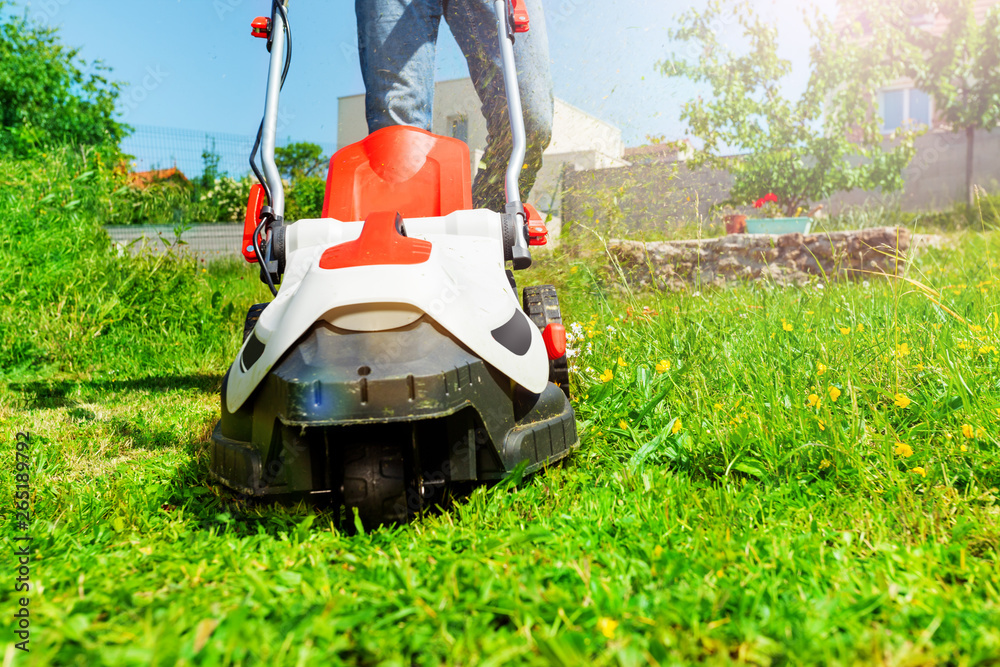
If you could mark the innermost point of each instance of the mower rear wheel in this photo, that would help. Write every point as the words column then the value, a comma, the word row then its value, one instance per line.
column 376, row 482
column 541, row 305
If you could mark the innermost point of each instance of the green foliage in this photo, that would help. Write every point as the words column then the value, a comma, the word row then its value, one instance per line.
column 804, row 149
column 84, row 301
column 210, row 171
column 304, row 199
column 300, row 159
column 763, row 529
column 959, row 68
column 50, row 97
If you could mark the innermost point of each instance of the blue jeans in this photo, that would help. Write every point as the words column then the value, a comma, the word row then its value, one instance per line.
column 397, row 40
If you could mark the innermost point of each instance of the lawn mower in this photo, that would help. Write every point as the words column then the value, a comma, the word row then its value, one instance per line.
column 395, row 361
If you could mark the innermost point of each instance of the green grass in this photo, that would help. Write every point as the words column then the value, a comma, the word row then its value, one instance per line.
column 711, row 514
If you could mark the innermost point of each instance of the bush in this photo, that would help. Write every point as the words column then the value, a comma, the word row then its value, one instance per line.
column 82, row 300
column 51, row 97
column 305, row 198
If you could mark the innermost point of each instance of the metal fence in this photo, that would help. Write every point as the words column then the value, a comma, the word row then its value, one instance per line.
column 164, row 147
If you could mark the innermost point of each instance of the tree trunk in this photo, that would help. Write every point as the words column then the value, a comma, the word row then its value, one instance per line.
column 970, row 136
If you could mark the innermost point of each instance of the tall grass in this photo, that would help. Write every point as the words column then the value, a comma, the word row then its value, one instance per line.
column 767, row 476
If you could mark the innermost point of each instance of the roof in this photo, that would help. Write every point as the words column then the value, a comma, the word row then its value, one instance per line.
column 666, row 151
column 143, row 179
column 933, row 21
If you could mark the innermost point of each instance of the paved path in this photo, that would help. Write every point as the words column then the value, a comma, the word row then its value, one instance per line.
column 206, row 241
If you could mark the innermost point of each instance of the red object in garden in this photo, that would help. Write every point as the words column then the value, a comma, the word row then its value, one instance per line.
column 770, row 196
column 736, row 224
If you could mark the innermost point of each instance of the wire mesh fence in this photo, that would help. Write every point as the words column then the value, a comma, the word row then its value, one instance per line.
column 164, row 147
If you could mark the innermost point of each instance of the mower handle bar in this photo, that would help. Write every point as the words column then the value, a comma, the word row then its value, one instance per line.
column 270, row 126
column 502, row 9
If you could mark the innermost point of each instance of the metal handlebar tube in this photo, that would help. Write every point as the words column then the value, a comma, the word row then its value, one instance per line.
column 520, row 254
column 270, row 125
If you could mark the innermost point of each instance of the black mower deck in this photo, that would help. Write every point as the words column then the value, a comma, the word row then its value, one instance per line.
column 339, row 392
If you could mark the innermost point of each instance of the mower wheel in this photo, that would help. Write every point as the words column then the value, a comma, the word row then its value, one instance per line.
column 252, row 316
column 375, row 484
column 541, row 305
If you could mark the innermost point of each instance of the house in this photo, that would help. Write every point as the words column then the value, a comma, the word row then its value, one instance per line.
column 901, row 104
column 941, row 172
column 579, row 140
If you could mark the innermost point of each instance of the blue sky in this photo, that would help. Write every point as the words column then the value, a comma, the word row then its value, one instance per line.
column 193, row 64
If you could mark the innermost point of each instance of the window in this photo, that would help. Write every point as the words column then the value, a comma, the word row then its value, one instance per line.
column 904, row 107
column 459, row 127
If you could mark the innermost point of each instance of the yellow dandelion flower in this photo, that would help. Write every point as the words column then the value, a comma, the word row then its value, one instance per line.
column 662, row 366
column 901, row 401
column 677, row 426
column 621, row 362
column 976, row 328
column 967, row 431
column 812, row 401
column 607, row 375
column 718, row 406
column 963, row 448
column 810, row 312
column 623, row 425
column 845, row 330
column 919, row 471
column 607, row 626
column 786, row 326
column 820, row 369
column 903, row 350
column 861, row 327
column 657, row 551
column 903, row 449
column 574, row 269
column 919, row 368
column 834, row 393
column 825, row 463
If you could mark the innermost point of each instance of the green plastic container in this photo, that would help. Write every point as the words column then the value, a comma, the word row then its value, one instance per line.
column 778, row 225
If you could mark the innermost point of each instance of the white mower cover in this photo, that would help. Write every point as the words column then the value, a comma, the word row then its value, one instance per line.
column 462, row 286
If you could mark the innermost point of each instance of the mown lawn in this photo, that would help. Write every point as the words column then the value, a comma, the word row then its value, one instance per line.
column 772, row 476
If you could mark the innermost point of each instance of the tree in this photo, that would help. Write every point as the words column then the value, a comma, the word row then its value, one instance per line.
column 49, row 95
column 805, row 149
column 300, row 159
column 210, row 171
column 961, row 73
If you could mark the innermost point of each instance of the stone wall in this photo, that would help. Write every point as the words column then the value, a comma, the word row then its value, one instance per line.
column 782, row 259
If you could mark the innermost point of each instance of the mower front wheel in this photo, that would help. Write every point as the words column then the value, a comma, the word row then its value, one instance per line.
column 376, row 482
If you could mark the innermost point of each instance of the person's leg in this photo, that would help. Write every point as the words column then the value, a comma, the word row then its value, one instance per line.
column 474, row 25
column 397, row 41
